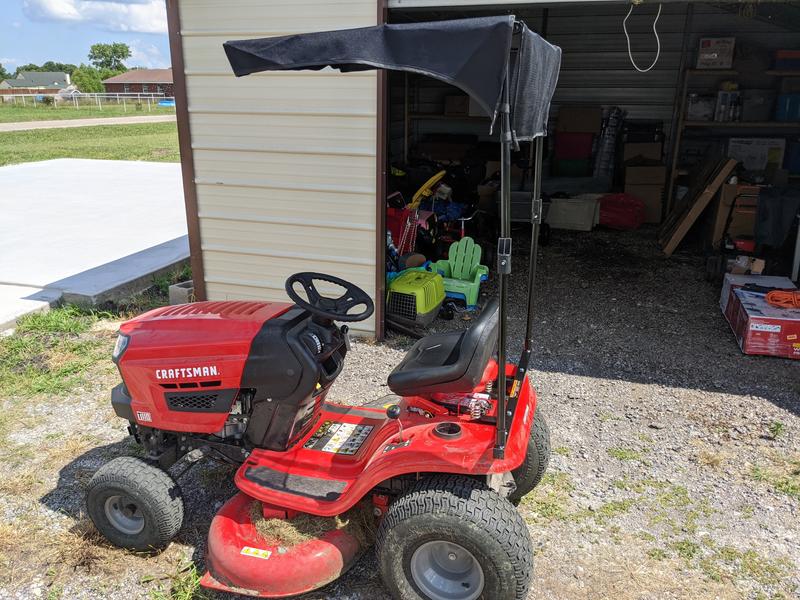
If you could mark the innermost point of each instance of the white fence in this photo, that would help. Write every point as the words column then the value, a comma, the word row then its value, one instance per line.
column 128, row 102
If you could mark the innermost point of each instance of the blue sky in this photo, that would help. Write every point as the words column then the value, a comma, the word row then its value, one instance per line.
column 34, row 31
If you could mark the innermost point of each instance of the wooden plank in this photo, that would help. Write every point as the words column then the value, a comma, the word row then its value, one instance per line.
column 698, row 206
column 700, row 179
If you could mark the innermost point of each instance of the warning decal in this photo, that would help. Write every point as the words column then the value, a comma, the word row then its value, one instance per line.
column 256, row 552
column 339, row 438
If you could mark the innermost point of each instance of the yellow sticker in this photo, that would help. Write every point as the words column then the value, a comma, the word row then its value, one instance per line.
column 791, row 337
column 256, row 552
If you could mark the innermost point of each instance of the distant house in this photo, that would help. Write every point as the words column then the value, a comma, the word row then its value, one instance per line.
column 35, row 82
column 141, row 81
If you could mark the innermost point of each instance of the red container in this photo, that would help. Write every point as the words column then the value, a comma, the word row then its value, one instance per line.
column 621, row 211
column 572, row 146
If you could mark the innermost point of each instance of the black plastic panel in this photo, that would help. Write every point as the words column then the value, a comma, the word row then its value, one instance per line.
column 309, row 487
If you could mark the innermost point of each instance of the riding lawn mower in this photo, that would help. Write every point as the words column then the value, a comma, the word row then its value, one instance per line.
column 433, row 471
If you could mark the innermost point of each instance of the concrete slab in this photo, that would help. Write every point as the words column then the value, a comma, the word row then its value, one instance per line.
column 17, row 300
column 86, row 228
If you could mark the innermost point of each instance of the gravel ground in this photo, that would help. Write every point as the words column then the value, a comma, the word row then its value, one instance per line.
column 675, row 472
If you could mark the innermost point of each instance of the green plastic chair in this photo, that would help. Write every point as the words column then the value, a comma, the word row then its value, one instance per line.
column 462, row 271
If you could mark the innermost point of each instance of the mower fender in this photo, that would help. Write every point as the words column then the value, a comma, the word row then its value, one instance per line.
column 241, row 561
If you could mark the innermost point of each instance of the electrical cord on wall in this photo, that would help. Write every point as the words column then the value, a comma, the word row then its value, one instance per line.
column 628, row 37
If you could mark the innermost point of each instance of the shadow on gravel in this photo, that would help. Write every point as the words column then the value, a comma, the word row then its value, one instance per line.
column 610, row 305
column 206, row 486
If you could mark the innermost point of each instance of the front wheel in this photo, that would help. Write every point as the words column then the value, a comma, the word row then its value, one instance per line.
column 134, row 504
column 453, row 538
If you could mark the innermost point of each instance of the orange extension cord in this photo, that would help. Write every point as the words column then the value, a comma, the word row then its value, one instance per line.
column 784, row 298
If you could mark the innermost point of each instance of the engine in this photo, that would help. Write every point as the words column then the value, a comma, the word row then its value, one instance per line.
column 230, row 376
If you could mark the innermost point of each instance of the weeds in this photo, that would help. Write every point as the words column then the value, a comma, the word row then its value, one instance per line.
column 624, row 454
column 184, row 585
column 782, row 476
column 776, row 429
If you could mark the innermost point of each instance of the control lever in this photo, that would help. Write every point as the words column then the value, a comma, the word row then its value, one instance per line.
column 393, row 412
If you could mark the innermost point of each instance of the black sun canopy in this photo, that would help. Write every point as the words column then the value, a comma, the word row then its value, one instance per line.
column 471, row 54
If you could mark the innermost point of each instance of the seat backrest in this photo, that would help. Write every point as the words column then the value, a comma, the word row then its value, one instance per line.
column 451, row 362
column 464, row 256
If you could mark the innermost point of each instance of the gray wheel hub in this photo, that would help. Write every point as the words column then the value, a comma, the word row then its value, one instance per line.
column 124, row 514
column 446, row 571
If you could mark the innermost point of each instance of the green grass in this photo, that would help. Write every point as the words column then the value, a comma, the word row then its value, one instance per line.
column 146, row 141
column 10, row 113
column 785, row 480
column 184, row 585
column 48, row 353
column 624, row 454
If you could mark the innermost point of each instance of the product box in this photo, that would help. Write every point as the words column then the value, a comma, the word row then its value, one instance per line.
column 652, row 196
column 756, row 153
column 456, row 106
column 761, row 328
column 715, row 53
column 648, row 150
column 700, row 107
column 645, row 175
column 731, row 282
column 787, row 60
column 728, row 106
column 787, row 108
column 579, row 119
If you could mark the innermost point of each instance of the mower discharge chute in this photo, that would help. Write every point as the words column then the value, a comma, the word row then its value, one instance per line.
column 430, row 473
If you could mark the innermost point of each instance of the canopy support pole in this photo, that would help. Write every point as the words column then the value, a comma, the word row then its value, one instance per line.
column 536, row 220
column 503, row 265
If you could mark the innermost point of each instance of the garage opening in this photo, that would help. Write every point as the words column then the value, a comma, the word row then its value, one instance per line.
column 674, row 141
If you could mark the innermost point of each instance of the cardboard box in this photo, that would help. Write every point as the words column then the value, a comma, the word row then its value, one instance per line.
column 652, row 196
column 731, row 281
column 715, row 53
column 645, row 175
column 648, row 150
column 475, row 109
column 761, row 328
column 579, row 119
column 745, row 265
column 756, row 154
column 456, row 106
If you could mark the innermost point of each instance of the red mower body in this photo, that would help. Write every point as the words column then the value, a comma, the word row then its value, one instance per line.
column 200, row 347
column 248, row 381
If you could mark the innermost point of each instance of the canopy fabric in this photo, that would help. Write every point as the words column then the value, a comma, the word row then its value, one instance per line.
column 470, row 54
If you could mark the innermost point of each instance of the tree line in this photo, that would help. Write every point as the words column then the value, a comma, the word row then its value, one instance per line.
column 105, row 60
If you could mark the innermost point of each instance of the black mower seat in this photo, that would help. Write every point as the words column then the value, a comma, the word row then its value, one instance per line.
column 448, row 362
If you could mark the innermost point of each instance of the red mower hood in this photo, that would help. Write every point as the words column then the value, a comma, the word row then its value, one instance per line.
column 201, row 324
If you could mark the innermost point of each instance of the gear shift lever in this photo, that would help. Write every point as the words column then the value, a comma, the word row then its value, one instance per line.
column 393, row 412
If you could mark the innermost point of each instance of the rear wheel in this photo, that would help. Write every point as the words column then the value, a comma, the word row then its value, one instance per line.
column 528, row 475
column 453, row 538
column 134, row 504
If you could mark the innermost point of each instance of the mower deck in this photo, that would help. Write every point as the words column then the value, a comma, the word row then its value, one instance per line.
column 353, row 449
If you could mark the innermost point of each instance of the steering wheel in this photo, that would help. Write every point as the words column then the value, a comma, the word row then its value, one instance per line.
column 334, row 309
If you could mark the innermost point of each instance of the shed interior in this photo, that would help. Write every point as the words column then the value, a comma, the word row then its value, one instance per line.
column 697, row 153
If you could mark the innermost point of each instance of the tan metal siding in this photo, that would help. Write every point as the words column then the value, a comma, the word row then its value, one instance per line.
column 285, row 164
